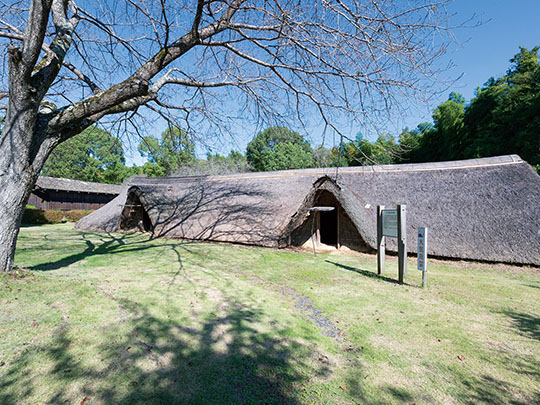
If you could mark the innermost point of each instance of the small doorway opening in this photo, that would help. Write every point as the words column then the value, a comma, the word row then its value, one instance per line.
column 328, row 227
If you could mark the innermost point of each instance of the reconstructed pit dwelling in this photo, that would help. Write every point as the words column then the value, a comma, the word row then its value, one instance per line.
column 481, row 209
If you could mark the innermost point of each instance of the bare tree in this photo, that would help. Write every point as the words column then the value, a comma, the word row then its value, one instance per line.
column 70, row 65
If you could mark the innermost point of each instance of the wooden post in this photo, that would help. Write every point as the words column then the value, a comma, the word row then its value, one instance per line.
column 318, row 225
column 402, row 242
column 381, row 246
column 421, row 253
column 337, row 220
column 424, row 278
column 312, row 232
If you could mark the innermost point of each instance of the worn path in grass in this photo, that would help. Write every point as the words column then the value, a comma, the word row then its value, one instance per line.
column 118, row 318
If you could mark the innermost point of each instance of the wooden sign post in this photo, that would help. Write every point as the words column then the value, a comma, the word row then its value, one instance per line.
column 392, row 223
column 402, row 242
column 422, row 253
column 381, row 245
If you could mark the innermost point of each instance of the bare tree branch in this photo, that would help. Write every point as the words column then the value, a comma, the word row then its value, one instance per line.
column 35, row 33
column 136, row 88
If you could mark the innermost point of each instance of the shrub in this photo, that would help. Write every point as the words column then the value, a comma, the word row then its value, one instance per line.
column 36, row 216
column 75, row 215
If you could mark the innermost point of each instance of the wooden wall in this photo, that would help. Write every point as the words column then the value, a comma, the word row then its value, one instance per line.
column 68, row 200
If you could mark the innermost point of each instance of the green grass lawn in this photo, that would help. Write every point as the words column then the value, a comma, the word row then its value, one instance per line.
column 117, row 318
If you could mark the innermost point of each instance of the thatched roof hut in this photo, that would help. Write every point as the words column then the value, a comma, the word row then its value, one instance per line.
column 481, row 209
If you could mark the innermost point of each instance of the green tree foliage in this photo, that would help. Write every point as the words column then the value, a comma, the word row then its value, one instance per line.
column 411, row 143
column 446, row 141
column 279, row 148
column 94, row 155
column 235, row 162
column 324, row 157
column 167, row 154
column 442, row 140
column 362, row 152
column 504, row 117
column 216, row 164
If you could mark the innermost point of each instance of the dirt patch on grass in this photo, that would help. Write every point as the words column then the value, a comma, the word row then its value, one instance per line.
column 307, row 306
column 18, row 274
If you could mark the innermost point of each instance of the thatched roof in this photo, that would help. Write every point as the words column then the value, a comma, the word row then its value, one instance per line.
column 60, row 184
column 481, row 209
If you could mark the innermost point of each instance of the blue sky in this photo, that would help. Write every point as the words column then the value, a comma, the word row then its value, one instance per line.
column 512, row 23
column 478, row 54
column 485, row 51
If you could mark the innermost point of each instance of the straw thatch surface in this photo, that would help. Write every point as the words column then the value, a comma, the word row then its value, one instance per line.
column 53, row 183
column 482, row 209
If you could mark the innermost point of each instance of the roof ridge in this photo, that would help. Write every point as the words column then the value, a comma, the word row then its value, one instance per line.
column 403, row 167
column 76, row 181
column 60, row 183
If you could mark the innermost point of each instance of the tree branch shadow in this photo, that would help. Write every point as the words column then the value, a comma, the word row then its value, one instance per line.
column 110, row 243
column 163, row 361
column 528, row 325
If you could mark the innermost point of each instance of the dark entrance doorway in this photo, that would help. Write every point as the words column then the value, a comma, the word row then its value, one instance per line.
column 328, row 226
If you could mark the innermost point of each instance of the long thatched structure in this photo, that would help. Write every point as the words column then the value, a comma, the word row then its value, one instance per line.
column 51, row 193
column 482, row 209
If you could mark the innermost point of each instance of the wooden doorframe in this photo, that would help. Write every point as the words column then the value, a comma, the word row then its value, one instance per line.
column 338, row 212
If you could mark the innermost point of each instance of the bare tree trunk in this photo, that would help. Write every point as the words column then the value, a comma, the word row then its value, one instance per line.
column 23, row 151
column 13, row 197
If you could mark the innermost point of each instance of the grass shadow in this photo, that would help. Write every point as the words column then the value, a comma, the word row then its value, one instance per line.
column 110, row 243
column 224, row 359
column 365, row 273
column 528, row 325
column 486, row 389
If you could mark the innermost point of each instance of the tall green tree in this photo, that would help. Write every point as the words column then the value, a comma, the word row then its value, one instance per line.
column 279, row 148
column 94, row 155
column 442, row 140
column 412, row 143
column 167, row 154
column 504, row 116
column 448, row 133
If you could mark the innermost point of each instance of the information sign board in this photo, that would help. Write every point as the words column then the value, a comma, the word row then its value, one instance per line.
column 390, row 223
